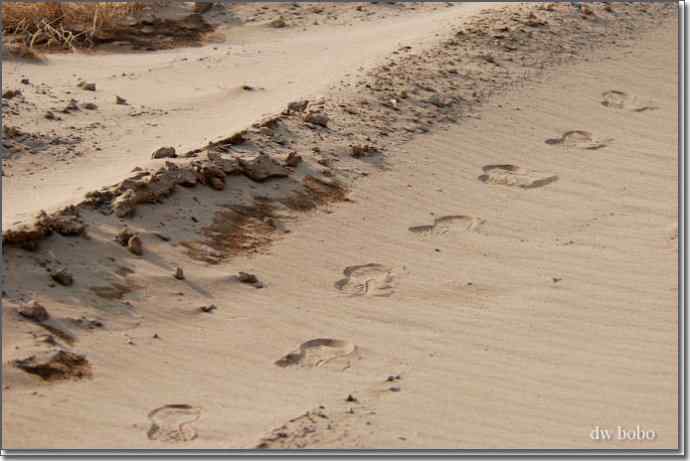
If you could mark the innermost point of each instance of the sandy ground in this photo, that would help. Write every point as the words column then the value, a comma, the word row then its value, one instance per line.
column 185, row 97
column 509, row 281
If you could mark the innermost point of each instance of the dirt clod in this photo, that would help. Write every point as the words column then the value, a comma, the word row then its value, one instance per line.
column 363, row 150
column 245, row 277
column 34, row 311
column 63, row 277
column 293, row 160
column 9, row 94
column 317, row 118
column 87, row 86
column 123, row 236
column 262, row 167
column 164, row 152
column 298, row 106
column 278, row 23
column 55, row 366
column 135, row 245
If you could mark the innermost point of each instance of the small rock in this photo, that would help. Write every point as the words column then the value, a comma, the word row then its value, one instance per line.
column 556, row 279
column 293, row 159
column 351, row 398
column 50, row 115
column 208, row 309
column 89, row 106
column 63, row 277
column 179, row 274
column 87, row 86
column 164, row 152
column 120, row 101
column 245, row 277
column 248, row 88
column 395, row 389
column 34, row 311
column 155, row 336
column 135, row 245
column 25, row 81
column 317, row 118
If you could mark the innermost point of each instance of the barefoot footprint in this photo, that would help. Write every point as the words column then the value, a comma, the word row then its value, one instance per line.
column 316, row 353
column 515, row 176
column 579, row 139
column 173, row 423
column 620, row 100
column 367, row 280
column 446, row 224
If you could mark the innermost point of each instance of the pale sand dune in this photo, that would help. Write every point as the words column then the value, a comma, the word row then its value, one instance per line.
column 532, row 316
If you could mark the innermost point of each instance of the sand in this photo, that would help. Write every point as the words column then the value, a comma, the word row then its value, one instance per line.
column 506, row 281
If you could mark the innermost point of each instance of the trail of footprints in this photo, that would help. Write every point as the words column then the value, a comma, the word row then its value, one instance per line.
column 174, row 423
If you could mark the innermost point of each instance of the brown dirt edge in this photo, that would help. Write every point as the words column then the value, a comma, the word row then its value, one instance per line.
column 490, row 54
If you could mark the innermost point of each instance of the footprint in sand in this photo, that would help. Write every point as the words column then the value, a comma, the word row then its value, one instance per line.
column 447, row 224
column 515, row 176
column 367, row 280
column 579, row 139
column 316, row 353
column 173, row 423
column 620, row 100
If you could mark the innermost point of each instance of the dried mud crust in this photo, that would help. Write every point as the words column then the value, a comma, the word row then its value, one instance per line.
column 408, row 95
column 55, row 366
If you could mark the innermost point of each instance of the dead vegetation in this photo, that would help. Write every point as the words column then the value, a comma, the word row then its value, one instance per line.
column 64, row 24
column 70, row 25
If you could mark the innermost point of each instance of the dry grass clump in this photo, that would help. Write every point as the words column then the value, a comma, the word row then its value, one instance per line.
column 64, row 24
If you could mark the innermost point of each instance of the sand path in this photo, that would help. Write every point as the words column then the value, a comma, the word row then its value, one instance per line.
column 188, row 97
